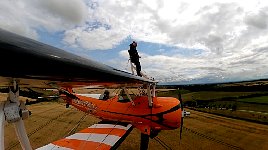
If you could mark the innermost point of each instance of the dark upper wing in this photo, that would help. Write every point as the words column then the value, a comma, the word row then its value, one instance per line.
column 29, row 60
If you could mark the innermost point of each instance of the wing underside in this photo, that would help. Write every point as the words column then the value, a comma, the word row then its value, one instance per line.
column 26, row 59
column 104, row 136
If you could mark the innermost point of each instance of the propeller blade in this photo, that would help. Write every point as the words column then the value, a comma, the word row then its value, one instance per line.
column 182, row 110
column 2, row 121
column 181, row 127
column 180, row 99
column 144, row 141
column 22, row 135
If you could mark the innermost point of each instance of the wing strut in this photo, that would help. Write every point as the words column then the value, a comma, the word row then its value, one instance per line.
column 14, row 111
column 151, row 93
column 2, row 121
column 128, row 96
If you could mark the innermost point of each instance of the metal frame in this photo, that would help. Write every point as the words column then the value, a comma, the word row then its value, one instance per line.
column 128, row 96
column 151, row 94
column 133, row 70
column 9, row 111
column 2, row 124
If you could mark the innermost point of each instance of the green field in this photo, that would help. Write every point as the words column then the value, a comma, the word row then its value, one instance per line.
column 206, row 95
column 261, row 99
column 212, row 95
column 251, row 106
column 253, row 116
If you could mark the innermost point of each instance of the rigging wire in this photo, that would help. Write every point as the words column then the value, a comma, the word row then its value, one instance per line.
column 72, row 131
column 82, row 146
column 126, row 68
column 131, row 91
column 115, row 124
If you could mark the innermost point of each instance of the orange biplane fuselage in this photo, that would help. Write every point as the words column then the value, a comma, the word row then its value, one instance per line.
column 165, row 114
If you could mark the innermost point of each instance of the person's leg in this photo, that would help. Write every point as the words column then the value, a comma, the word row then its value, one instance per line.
column 138, row 68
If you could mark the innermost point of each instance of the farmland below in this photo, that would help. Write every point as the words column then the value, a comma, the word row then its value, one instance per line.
column 245, row 100
column 51, row 121
column 223, row 116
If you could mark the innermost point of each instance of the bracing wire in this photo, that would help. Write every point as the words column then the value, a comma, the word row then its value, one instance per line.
column 115, row 124
column 73, row 130
column 126, row 68
column 83, row 145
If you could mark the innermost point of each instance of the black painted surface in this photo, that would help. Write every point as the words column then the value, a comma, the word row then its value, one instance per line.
column 21, row 57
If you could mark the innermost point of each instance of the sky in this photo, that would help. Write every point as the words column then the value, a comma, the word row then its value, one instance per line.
column 179, row 41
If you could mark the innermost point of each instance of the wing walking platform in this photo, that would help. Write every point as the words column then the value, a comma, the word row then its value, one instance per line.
column 101, row 136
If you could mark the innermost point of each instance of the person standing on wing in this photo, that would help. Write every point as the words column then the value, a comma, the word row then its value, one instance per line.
column 134, row 57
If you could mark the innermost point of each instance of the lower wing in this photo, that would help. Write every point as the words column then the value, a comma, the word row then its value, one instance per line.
column 104, row 136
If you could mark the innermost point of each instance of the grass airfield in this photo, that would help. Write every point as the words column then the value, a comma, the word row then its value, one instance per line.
column 51, row 121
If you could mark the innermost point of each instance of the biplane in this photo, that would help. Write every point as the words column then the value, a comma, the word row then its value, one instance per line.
column 29, row 63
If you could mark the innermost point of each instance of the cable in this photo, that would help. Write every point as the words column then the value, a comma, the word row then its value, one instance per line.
column 131, row 92
column 83, row 145
column 77, row 125
column 115, row 124
column 127, row 64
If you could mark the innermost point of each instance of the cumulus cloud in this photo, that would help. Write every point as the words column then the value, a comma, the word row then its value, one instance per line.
column 258, row 19
column 72, row 11
column 26, row 17
column 178, row 68
column 231, row 36
column 97, row 39
column 215, row 27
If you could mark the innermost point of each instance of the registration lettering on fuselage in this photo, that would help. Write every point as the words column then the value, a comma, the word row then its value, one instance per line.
column 90, row 107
